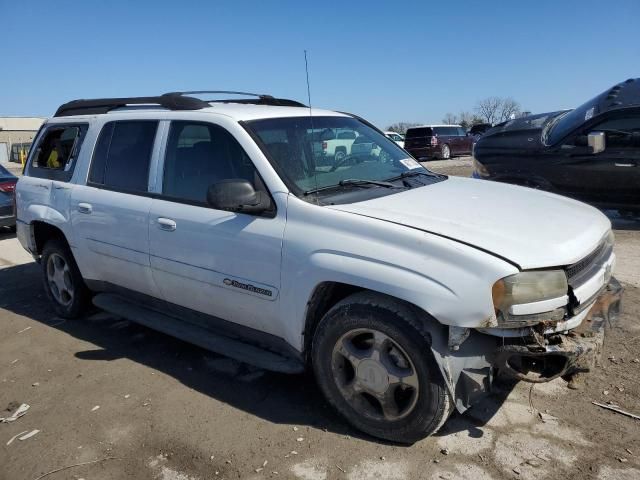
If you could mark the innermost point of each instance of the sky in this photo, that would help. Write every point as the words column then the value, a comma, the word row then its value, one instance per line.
column 388, row 62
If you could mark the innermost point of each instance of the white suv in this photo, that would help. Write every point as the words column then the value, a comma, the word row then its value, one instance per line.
column 406, row 292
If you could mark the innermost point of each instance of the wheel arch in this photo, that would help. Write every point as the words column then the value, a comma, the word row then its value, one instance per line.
column 328, row 294
column 42, row 232
column 466, row 370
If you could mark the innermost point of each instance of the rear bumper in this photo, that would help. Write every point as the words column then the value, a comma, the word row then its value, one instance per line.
column 424, row 153
column 541, row 358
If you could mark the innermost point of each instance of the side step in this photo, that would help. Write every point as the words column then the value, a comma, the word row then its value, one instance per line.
column 202, row 337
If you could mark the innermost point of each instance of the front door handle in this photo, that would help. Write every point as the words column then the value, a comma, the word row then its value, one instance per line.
column 624, row 164
column 85, row 208
column 166, row 224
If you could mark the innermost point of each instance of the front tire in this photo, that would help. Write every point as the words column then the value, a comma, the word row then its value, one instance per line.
column 373, row 362
column 63, row 283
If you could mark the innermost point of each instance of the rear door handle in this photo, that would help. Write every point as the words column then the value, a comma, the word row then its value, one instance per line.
column 166, row 224
column 625, row 164
column 85, row 208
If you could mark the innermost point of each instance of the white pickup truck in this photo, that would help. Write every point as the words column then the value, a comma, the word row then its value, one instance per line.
column 406, row 292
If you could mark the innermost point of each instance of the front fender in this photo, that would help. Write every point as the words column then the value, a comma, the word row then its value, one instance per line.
column 449, row 280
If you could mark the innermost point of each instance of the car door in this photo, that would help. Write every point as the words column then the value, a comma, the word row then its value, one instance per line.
column 223, row 264
column 447, row 135
column 465, row 141
column 110, row 213
column 608, row 178
column 50, row 168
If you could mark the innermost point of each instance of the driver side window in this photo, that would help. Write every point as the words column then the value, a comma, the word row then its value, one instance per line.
column 620, row 131
column 199, row 155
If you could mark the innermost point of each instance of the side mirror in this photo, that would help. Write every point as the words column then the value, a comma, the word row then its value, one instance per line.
column 597, row 142
column 237, row 195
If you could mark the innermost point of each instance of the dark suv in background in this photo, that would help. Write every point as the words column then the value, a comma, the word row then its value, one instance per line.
column 591, row 153
column 437, row 141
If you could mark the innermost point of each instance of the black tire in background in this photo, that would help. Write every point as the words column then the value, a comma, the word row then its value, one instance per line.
column 385, row 317
column 63, row 283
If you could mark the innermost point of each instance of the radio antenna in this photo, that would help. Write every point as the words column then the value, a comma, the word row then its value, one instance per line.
column 313, row 132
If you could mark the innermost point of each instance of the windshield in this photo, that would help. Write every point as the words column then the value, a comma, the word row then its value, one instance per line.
column 569, row 121
column 334, row 150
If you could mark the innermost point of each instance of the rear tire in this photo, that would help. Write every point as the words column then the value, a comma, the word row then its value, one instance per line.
column 63, row 283
column 445, row 152
column 373, row 362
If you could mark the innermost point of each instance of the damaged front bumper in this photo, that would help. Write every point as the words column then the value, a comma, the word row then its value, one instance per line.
column 541, row 358
column 470, row 359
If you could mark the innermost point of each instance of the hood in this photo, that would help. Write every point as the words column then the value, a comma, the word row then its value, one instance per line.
column 530, row 228
column 521, row 134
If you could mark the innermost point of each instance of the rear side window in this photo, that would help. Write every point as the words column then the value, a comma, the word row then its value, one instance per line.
column 122, row 155
column 419, row 132
column 56, row 153
column 446, row 130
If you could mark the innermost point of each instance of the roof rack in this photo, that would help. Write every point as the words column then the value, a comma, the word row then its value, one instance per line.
column 104, row 105
column 262, row 99
column 170, row 101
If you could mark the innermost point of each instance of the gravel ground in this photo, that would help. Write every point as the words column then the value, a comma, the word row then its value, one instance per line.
column 147, row 406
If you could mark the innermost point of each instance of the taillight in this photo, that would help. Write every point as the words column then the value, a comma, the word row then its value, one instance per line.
column 7, row 187
column 434, row 141
column 324, row 145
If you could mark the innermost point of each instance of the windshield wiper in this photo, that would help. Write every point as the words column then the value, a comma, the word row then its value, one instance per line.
column 352, row 181
column 414, row 173
column 407, row 174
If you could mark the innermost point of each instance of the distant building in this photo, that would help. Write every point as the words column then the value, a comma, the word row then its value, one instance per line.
column 16, row 135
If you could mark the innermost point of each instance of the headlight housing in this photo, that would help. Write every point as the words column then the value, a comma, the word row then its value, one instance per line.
column 527, row 298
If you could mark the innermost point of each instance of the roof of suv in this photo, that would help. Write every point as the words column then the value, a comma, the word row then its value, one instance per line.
column 431, row 126
column 264, row 106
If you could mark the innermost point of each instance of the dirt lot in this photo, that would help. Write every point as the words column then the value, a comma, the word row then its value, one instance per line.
column 147, row 406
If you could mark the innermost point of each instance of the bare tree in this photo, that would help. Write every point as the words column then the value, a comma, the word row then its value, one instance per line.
column 489, row 109
column 450, row 119
column 468, row 119
column 495, row 109
column 401, row 127
column 509, row 109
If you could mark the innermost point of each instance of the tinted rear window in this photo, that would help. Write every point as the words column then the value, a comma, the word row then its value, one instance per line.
column 419, row 132
column 123, row 154
column 446, row 130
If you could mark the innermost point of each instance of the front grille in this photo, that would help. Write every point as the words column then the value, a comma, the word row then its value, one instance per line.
column 581, row 271
column 584, row 264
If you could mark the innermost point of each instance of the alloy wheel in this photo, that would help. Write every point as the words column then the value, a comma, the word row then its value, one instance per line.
column 375, row 375
column 59, row 279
